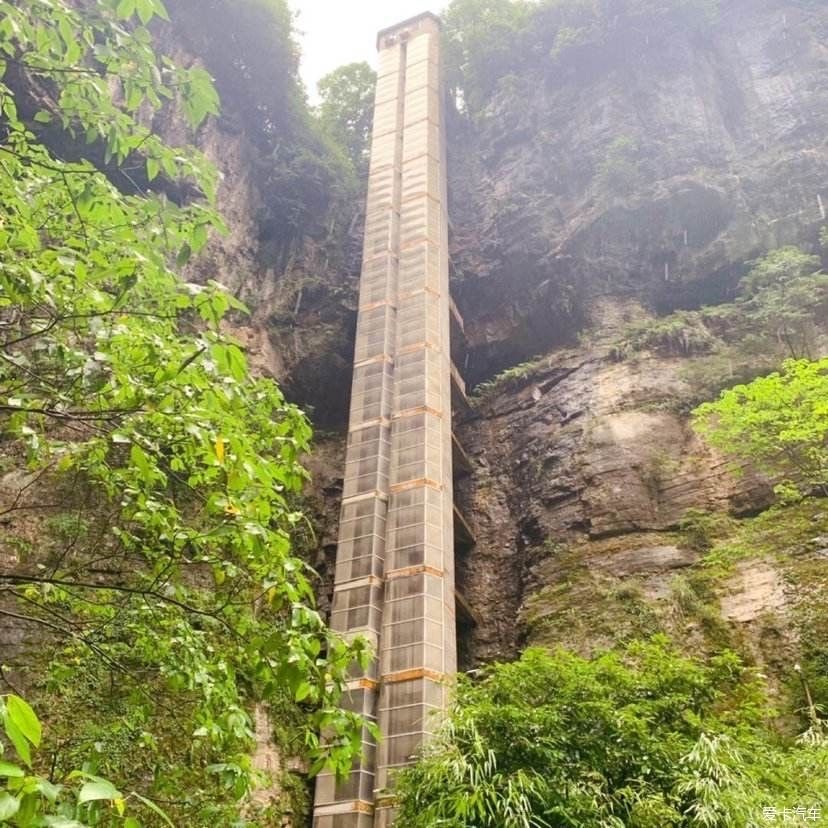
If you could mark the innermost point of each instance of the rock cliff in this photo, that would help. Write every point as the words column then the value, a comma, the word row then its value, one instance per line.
column 635, row 178
column 638, row 177
column 627, row 183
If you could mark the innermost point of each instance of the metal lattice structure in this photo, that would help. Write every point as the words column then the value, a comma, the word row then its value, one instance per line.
column 394, row 581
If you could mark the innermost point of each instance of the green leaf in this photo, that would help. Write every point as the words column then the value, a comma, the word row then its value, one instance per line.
column 183, row 255
column 199, row 238
column 18, row 740
column 49, row 790
column 97, row 790
column 140, row 460
column 9, row 770
column 86, row 198
column 145, row 9
column 161, row 10
column 9, row 806
column 154, row 808
column 152, row 168
column 125, row 8
column 303, row 691
column 43, row 117
column 131, row 822
column 24, row 718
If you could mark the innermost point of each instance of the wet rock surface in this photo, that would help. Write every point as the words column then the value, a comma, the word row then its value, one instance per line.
column 587, row 453
column 588, row 462
column 724, row 158
column 597, row 454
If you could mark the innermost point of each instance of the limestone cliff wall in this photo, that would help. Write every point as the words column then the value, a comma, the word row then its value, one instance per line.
column 653, row 167
column 586, row 465
column 621, row 186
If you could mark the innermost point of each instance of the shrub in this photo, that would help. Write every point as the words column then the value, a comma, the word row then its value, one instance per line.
column 642, row 737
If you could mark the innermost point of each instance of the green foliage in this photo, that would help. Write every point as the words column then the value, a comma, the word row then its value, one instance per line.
column 508, row 378
column 305, row 182
column 779, row 268
column 785, row 294
column 487, row 40
column 82, row 799
column 781, row 307
column 639, row 738
column 680, row 334
column 701, row 528
column 695, row 602
column 482, row 39
column 178, row 594
column 347, row 110
column 778, row 422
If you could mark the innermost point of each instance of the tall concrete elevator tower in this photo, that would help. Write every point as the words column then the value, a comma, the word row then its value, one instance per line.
column 394, row 581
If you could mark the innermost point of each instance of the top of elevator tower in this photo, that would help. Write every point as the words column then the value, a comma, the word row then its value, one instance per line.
column 425, row 22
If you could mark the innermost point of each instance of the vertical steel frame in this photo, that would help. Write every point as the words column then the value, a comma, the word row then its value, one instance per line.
column 394, row 581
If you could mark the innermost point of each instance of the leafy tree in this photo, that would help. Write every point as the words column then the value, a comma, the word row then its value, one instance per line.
column 786, row 294
column 304, row 181
column 482, row 38
column 642, row 738
column 156, row 479
column 28, row 800
column 780, row 310
column 347, row 110
column 778, row 422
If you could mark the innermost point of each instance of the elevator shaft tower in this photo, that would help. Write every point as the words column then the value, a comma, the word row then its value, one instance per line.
column 394, row 581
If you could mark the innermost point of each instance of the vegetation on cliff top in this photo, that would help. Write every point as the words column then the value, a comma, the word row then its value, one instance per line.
column 780, row 310
column 489, row 40
column 347, row 110
column 300, row 163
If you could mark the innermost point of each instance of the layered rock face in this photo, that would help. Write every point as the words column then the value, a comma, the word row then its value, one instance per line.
column 634, row 183
column 587, row 461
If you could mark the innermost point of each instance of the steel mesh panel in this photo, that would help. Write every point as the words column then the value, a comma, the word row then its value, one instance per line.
column 421, row 177
column 422, row 105
column 422, row 48
column 400, row 750
column 389, row 62
column 421, row 75
column 359, row 785
column 386, row 116
column 378, row 275
column 356, row 607
column 345, row 821
column 421, row 218
column 421, row 138
column 419, row 267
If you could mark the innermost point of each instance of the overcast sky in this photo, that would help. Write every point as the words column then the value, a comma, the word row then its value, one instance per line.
column 333, row 32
